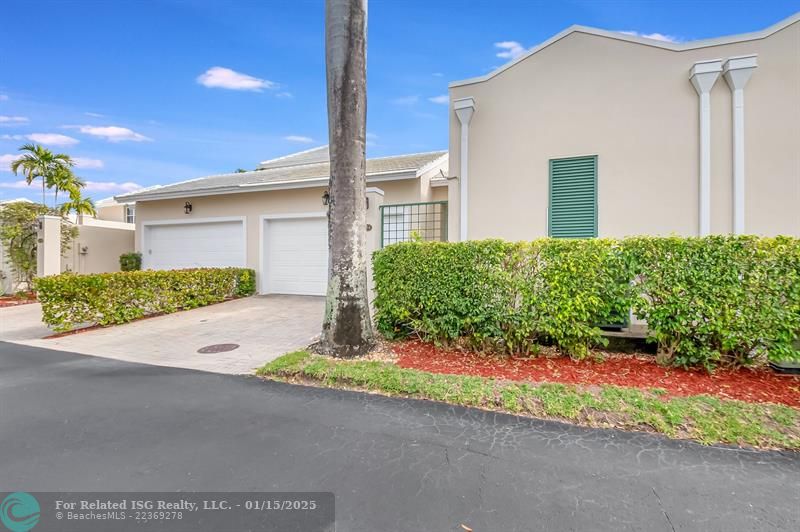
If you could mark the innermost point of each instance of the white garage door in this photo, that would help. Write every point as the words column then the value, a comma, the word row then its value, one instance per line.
column 296, row 256
column 195, row 245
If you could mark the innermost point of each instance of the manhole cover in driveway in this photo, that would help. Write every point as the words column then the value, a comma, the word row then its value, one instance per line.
column 218, row 348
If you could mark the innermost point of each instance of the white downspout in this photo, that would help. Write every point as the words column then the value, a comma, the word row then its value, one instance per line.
column 464, row 108
column 703, row 76
column 737, row 72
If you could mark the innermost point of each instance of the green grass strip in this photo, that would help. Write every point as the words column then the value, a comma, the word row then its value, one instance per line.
column 703, row 418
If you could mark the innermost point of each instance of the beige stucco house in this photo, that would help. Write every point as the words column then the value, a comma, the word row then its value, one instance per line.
column 591, row 133
column 597, row 133
column 274, row 219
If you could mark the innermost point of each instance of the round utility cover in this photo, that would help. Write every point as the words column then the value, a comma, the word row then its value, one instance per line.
column 218, row 348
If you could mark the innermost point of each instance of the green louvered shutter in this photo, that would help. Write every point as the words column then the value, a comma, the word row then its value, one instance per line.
column 573, row 197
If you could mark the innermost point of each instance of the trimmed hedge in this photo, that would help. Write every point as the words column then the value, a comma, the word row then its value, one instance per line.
column 706, row 300
column 130, row 262
column 69, row 300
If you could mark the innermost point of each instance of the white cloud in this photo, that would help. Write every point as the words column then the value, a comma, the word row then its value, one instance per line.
column 655, row 36
column 111, row 186
column 86, row 163
column 94, row 115
column 6, row 160
column 285, row 95
column 442, row 99
column 112, row 133
column 80, row 162
column 225, row 78
column 12, row 137
column 299, row 138
column 15, row 184
column 52, row 139
column 437, row 74
column 405, row 100
column 509, row 49
column 3, row 97
column 13, row 120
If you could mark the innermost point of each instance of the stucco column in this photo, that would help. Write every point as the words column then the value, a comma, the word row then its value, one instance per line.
column 48, row 250
column 374, row 203
column 703, row 76
column 737, row 72
column 464, row 108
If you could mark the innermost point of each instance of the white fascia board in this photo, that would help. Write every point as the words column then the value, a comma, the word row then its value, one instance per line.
column 433, row 164
column 439, row 182
column 675, row 47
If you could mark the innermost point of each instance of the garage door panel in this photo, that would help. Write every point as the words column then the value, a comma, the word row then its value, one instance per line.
column 195, row 245
column 296, row 256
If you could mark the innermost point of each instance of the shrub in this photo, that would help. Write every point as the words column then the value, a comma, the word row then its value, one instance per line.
column 69, row 300
column 501, row 295
column 707, row 301
column 719, row 299
column 129, row 262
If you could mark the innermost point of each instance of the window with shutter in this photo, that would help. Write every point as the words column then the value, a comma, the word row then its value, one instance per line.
column 573, row 197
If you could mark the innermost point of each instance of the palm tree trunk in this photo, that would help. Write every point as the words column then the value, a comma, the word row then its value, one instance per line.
column 43, row 195
column 347, row 327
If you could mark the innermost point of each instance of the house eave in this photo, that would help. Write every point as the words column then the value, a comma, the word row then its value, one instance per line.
column 262, row 187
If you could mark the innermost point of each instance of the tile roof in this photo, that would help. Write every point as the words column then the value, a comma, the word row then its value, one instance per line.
column 297, row 169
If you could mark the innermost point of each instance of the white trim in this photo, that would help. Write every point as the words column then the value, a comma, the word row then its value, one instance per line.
column 439, row 182
column 703, row 75
column 375, row 190
column 433, row 164
column 464, row 109
column 675, row 47
column 261, row 276
column 737, row 72
column 187, row 221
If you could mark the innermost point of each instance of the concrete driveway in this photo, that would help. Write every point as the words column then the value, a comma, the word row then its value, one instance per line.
column 264, row 327
column 76, row 423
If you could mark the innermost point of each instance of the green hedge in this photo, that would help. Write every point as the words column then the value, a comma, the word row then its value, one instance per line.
column 129, row 262
column 706, row 300
column 69, row 300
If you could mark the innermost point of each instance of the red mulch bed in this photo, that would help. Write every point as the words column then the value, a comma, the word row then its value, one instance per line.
column 758, row 386
column 13, row 301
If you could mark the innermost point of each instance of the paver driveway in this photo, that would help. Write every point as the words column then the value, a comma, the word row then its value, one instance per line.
column 265, row 327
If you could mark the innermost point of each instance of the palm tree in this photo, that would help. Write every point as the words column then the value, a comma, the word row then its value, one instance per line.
column 39, row 162
column 347, row 328
column 77, row 203
column 63, row 179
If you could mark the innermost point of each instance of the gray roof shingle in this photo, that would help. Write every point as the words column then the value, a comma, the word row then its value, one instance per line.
column 304, row 166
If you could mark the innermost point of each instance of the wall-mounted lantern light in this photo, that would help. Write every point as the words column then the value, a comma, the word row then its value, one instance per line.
column 326, row 198
column 187, row 208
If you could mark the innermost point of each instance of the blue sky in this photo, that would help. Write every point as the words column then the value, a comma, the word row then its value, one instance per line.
column 145, row 93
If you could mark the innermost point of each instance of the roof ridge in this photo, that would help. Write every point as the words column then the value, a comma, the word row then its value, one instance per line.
column 295, row 154
column 407, row 154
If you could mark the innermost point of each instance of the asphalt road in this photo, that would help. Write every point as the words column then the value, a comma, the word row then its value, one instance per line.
column 76, row 423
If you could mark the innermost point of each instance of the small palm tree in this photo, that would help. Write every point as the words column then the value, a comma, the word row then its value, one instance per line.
column 39, row 162
column 77, row 203
column 63, row 179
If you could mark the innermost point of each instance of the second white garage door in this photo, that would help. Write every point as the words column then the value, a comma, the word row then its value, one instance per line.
column 296, row 256
column 213, row 244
